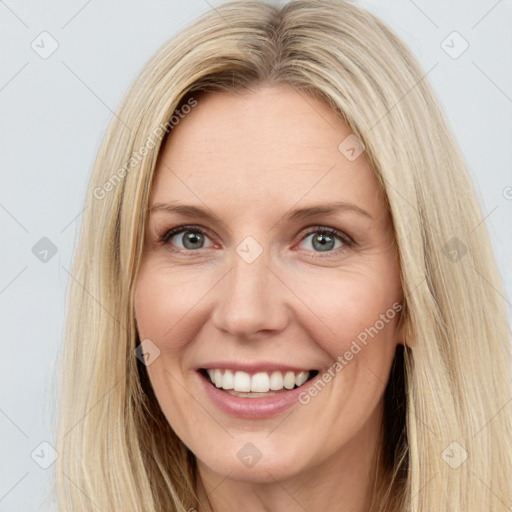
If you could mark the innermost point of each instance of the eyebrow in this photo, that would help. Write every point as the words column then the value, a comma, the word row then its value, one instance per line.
column 297, row 214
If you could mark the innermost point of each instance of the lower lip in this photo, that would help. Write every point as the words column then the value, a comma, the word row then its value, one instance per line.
column 252, row 408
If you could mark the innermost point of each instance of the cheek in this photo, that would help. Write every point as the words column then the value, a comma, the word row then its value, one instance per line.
column 163, row 298
column 355, row 308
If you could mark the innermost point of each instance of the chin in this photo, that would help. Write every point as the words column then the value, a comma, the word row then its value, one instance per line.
column 267, row 469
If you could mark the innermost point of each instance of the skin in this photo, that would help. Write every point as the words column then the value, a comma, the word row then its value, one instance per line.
column 250, row 159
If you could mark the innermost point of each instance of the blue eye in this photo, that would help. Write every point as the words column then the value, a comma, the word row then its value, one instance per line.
column 324, row 239
column 193, row 238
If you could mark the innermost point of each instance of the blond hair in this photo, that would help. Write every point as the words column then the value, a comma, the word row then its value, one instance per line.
column 117, row 450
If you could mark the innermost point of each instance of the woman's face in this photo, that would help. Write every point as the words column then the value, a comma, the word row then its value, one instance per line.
column 286, row 270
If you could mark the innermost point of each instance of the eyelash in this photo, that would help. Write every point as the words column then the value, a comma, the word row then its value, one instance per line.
column 348, row 242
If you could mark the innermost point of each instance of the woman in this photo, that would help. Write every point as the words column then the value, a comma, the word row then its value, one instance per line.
column 282, row 302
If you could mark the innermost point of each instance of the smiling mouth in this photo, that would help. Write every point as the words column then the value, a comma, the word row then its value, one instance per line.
column 256, row 385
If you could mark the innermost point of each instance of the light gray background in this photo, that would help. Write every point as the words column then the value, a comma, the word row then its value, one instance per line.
column 55, row 111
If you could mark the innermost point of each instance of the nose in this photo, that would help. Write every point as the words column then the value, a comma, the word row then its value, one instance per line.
column 251, row 299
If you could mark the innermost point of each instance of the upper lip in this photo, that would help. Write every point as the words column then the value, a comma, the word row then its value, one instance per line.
column 261, row 366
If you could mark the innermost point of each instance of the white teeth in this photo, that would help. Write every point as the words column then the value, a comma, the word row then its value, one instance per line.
column 300, row 378
column 261, row 382
column 228, row 381
column 218, row 378
column 276, row 381
column 242, row 382
column 289, row 380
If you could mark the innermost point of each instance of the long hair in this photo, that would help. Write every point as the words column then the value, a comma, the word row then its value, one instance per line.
column 447, row 420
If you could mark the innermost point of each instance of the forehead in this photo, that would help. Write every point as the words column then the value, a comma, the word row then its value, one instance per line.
column 271, row 147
